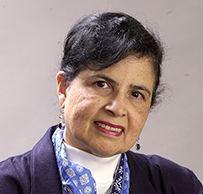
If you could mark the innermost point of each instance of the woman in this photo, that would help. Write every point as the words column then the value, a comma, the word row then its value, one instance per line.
column 108, row 82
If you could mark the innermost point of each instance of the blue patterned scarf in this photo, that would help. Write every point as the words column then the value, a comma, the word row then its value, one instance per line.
column 78, row 179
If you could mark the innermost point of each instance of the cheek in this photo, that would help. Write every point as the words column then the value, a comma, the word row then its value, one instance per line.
column 143, row 114
column 136, row 124
column 138, row 119
column 81, row 108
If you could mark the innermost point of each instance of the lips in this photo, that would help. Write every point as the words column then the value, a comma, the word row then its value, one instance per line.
column 109, row 128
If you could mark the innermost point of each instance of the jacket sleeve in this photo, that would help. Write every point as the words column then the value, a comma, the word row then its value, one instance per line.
column 14, row 178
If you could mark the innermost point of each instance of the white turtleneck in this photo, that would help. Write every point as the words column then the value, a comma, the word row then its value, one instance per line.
column 102, row 169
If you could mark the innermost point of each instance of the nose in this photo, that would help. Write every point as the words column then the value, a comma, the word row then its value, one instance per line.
column 117, row 107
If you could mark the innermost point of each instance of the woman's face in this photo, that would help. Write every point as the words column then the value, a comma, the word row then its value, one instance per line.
column 105, row 110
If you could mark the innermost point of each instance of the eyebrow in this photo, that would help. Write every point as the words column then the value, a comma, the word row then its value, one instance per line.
column 141, row 87
column 136, row 87
column 103, row 77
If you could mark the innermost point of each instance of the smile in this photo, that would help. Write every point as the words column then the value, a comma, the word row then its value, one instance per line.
column 109, row 128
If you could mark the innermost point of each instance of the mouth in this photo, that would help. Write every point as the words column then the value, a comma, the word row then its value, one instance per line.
column 107, row 126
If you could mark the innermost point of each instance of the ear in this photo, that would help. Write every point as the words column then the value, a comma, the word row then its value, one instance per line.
column 62, row 85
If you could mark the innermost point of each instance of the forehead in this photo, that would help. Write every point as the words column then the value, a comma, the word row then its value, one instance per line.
column 130, row 70
column 133, row 63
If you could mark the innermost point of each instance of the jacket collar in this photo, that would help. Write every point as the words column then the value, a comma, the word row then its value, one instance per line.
column 45, row 176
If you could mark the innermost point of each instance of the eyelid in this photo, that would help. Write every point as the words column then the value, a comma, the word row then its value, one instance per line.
column 101, row 81
column 140, row 93
column 103, row 78
column 104, row 81
column 143, row 96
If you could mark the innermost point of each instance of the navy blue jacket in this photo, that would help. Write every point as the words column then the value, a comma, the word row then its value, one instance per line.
column 36, row 172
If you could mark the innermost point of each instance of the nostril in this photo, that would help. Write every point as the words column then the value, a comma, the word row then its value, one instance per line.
column 116, row 107
column 116, row 114
column 111, row 112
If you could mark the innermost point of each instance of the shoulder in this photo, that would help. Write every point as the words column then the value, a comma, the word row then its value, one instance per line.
column 157, row 162
column 17, row 173
column 164, row 173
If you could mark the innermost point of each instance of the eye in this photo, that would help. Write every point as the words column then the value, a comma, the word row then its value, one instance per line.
column 101, row 84
column 137, row 95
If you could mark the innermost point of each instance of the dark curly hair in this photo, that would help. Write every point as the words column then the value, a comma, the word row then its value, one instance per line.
column 100, row 40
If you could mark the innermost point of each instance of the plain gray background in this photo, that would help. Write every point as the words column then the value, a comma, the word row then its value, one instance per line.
column 31, row 42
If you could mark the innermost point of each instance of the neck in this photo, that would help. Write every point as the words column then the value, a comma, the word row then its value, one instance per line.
column 97, row 165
